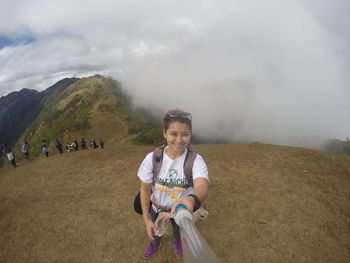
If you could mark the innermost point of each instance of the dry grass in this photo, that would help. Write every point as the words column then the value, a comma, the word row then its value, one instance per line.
column 110, row 125
column 114, row 132
column 267, row 204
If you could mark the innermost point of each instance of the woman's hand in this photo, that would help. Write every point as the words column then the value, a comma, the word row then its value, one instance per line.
column 145, row 196
column 188, row 201
column 150, row 229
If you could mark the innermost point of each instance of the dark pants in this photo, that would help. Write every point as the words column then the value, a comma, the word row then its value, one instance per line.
column 13, row 161
column 176, row 228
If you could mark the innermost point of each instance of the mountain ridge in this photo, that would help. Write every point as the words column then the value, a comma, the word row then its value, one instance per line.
column 93, row 107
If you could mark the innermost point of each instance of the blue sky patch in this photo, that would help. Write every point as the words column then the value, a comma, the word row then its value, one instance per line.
column 21, row 40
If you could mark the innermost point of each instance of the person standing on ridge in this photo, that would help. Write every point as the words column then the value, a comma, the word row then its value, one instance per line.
column 10, row 156
column 44, row 149
column 94, row 144
column 170, row 186
column 83, row 143
column 59, row 146
column 25, row 150
column 102, row 143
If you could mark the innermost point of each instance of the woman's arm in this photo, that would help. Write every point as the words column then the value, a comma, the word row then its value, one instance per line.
column 145, row 196
column 201, row 189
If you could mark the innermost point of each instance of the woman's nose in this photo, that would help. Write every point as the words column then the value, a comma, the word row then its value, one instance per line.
column 179, row 138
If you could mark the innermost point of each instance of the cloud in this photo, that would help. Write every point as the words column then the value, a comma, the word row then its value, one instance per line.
column 248, row 70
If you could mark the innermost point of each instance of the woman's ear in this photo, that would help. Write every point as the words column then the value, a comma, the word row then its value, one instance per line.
column 164, row 133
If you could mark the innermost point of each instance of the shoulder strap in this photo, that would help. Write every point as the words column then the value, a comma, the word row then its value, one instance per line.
column 157, row 160
column 188, row 165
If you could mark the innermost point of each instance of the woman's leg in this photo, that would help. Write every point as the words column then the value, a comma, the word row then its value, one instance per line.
column 177, row 245
column 154, row 216
column 155, row 244
column 176, row 230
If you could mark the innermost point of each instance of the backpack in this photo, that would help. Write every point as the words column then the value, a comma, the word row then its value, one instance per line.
column 157, row 160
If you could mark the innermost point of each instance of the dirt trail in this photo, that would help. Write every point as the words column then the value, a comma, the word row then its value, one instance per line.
column 267, row 204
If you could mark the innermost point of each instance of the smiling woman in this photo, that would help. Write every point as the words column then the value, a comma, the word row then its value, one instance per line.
column 172, row 175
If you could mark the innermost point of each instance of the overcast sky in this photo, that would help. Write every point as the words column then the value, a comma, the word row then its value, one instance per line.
column 268, row 70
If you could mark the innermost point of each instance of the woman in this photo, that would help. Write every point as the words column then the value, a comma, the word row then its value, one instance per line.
column 171, row 187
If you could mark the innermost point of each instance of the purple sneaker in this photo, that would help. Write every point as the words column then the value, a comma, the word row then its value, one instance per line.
column 177, row 247
column 151, row 249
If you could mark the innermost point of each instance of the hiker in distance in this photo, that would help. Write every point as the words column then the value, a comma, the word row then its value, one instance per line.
column 44, row 148
column 25, row 150
column 10, row 156
column 170, row 186
column 59, row 145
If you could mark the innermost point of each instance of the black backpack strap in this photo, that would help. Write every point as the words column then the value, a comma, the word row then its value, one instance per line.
column 157, row 160
column 188, row 165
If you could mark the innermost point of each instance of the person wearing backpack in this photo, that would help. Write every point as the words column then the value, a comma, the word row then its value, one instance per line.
column 172, row 175
column 25, row 150
column 10, row 155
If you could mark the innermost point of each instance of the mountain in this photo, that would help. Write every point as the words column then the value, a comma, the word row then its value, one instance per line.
column 94, row 108
column 17, row 111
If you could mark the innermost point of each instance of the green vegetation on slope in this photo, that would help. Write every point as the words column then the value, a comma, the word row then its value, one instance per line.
column 71, row 111
column 147, row 127
column 94, row 107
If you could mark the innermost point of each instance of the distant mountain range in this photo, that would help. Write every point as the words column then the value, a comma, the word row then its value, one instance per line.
column 20, row 108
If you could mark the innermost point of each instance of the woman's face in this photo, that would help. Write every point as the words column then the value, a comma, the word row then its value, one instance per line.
column 178, row 136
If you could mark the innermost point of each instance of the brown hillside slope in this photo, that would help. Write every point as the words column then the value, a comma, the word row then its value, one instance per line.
column 267, row 204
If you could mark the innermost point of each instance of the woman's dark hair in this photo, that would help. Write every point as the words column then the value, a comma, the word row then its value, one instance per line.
column 177, row 116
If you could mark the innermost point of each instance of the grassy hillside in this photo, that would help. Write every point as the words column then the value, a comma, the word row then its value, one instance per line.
column 74, row 111
column 267, row 204
column 93, row 108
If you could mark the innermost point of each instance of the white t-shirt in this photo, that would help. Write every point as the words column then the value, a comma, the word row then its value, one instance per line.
column 171, row 182
column 10, row 156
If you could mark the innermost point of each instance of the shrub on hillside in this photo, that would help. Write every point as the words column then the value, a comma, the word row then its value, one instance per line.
column 347, row 148
column 151, row 136
column 145, row 125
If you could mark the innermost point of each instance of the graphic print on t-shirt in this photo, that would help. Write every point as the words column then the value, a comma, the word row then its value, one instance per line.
column 172, row 184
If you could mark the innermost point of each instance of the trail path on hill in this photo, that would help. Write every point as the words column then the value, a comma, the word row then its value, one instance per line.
column 267, row 204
